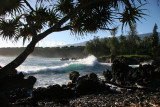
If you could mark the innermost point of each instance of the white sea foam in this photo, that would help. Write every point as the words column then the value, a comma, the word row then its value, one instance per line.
column 62, row 66
column 108, row 64
column 90, row 60
column 134, row 66
column 147, row 62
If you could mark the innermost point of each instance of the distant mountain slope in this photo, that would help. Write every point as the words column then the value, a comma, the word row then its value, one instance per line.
column 78, row 44
column 142, row 36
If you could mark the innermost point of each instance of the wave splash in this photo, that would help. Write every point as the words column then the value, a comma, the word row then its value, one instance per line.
column 58, row 66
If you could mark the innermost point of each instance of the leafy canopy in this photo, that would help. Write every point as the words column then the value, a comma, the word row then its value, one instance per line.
column 20, row 20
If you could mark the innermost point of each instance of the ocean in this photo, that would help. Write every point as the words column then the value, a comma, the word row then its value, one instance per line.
column 50, row 71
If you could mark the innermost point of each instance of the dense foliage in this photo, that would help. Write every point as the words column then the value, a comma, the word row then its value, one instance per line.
column 130, row 45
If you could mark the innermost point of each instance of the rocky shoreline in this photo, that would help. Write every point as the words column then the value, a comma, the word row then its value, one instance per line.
column 123, row 86
column 127, row 60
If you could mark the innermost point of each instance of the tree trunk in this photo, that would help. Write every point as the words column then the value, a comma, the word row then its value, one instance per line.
column 9, row 68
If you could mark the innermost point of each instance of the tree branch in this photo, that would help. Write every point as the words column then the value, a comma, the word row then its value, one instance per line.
column 63, row 28
column 29, row 5
column 107, row 28
column 33, row 27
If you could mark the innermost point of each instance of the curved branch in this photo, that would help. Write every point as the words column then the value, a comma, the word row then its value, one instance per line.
column 29, row 5
column 63, row 28
column 107, row 28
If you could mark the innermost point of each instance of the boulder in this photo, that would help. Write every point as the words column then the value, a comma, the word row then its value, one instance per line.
column 68, row 93
column 107, row 75
column 73, row 76
column 156, row 62
column 89, row 84
column 93, row 76
column 4, row 102
column 52, row 92
column 39, row 93
column 17, row 94
column 11, row 82
column 29, row 82
column 20, row 76
column 120, row 71
column 64, row 59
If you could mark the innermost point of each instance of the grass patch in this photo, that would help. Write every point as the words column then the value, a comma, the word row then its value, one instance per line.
column 126, row 56
column 141, row 56
column 104, row 56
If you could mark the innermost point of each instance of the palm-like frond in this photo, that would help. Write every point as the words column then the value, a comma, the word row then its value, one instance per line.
column 9, row 28
column 44, row 0
column 140, row 1
column 38, row 19
column 65, row 6
column 41, row 17
column 131, row 15
column 92, row 18
column 25, row 33
column 11, row 6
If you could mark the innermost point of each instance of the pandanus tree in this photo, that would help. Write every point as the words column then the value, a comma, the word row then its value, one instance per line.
column 21, row 20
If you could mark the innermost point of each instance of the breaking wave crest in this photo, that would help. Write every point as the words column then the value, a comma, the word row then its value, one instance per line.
column 58, row 66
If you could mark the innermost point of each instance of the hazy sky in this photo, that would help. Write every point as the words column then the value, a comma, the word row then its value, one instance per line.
column 62, row 38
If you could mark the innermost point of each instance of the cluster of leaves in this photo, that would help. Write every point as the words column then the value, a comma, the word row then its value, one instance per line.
column 131, row 15
column 91, row 19
column 24, row 24
column 41, row 16
column 65, row 6
column 8, row 29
